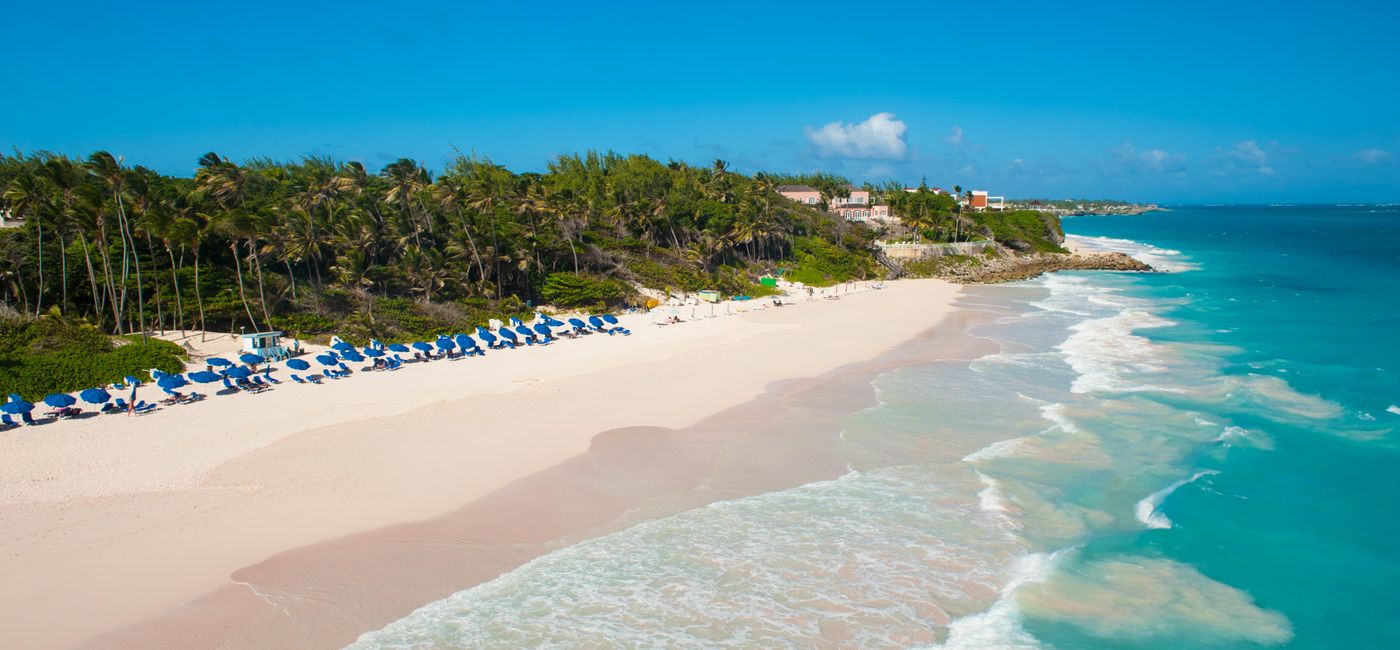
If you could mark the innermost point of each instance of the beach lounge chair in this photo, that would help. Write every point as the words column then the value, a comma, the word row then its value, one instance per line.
column 271, row 379
column 120, row 405
column 313, row 379
column 143, row 408
column 617, row 327
column 28, row 419
column 6, row 422
column 109, row 408
column 344, row 369
column 297, row 379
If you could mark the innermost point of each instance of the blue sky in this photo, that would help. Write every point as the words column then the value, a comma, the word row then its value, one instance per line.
column 1177, row 102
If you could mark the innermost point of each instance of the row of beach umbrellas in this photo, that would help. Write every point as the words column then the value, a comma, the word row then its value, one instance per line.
column 340, row 352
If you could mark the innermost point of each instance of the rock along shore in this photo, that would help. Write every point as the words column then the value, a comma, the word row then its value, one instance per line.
column 1025, row 267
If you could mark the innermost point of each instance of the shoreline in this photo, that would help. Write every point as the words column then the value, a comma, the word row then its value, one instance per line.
column 181, row 505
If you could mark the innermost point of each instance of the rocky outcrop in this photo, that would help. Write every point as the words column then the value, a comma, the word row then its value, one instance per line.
column 1025, row 267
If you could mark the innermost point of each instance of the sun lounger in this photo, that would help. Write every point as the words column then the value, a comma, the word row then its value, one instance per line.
column 6, row 422
column 297, row 379
column 313, row 379
column 120, row 405
column 27, row 418
column 144, row 408
column 271, row 379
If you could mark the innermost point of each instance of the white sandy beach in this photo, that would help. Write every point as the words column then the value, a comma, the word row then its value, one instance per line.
column 112, row 520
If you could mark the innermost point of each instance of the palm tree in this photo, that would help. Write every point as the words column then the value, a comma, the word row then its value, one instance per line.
column 109, row 170
column 28, row 196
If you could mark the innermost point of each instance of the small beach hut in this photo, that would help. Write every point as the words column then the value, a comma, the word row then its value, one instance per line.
column 708, row 295
column 265, row 344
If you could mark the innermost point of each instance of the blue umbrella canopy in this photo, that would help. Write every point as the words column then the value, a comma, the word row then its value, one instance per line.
column 576, row 322
column 524, row 331
column 373, row 353
column 419, row 345
column 445, row 343
column 610, row 319
column 352, row 356
column 95, row 396
column 342, row 346
column 171, row 381
column 238, row 372
column 132, row 380
column 16, row 405
column 485, row 334
column 595, row 321
column 398, row 347
column 298, row 364
column 508, row 335
column 552, row 321
column 251, row 359
column 465, row 342
column 327, row 359
column 217, row 362
column 60, row 400
column 543, row 329
column 206, row 377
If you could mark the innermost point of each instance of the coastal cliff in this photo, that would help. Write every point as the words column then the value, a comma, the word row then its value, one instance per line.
column 1011, row 268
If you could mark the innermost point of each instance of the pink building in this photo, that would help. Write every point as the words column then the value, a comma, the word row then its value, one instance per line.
column 801, row 194
column 857, row 197
column 865, row 213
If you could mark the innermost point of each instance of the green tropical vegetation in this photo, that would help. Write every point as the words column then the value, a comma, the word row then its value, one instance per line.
column 317, row 246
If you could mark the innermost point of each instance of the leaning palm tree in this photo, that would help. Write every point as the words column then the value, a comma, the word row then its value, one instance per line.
column 29, row 197
column 110, row 171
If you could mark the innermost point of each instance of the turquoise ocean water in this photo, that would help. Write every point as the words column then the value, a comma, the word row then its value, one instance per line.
column 1204, row 457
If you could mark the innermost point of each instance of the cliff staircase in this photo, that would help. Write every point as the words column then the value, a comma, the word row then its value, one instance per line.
column 896, row 270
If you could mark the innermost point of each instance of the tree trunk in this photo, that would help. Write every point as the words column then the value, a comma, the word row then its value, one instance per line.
column 107, row 276
column 160, row 311
column 63, row 258
column 175, row 280
column 39, row 298
column 199, row 298
column 291, row 277
column 242, row 295
column 262, row 295
column 92, row 277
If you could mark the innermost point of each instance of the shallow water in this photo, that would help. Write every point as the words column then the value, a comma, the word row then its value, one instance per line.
column 1200, row 457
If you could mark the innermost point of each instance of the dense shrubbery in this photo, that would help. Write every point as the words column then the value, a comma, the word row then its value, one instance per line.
column 823, row 263
column 42, row 356
column 570, row 290
column 1025, row 231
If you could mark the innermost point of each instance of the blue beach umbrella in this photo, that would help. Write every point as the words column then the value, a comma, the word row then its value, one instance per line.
column 342, row 346
column 507, row 334
column 60, row 400
column 578, row 324
column 327, row 359
column 95, row 396
column 424, row 347
column 352, row 356
column 373, row 353
column 485, row 335
column 238, row 372
column 204, row 377
column 171, row 381
column 465, row 342
column 217, row 362
column 16, row 405
column 552, row 321
column 610, row 319
column 595, row 322
column 445, row 343
column 524, row 331
column 298, row 364
column 133, row 381
column 543, row 330
column 251, row 359
column 398, row 347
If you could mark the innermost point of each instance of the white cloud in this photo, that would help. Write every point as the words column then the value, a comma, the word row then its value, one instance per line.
column 1151, row 160
column 1373, row 156
column 956, row 137
column 1247, row 156
column 880, row 138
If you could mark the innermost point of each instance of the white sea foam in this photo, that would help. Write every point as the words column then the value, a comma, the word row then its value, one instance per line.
column 1055, row 413
column 999, row 627
column 998, row 449
column 879, row 554
column 1147, row 509
column 990, row 497
column 1161, row 259
column 1393, row 409
column 1104, row 351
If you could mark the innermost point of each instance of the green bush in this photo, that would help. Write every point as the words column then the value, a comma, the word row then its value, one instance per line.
column 821, row 263
column 573, row 290
column 43, row 356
